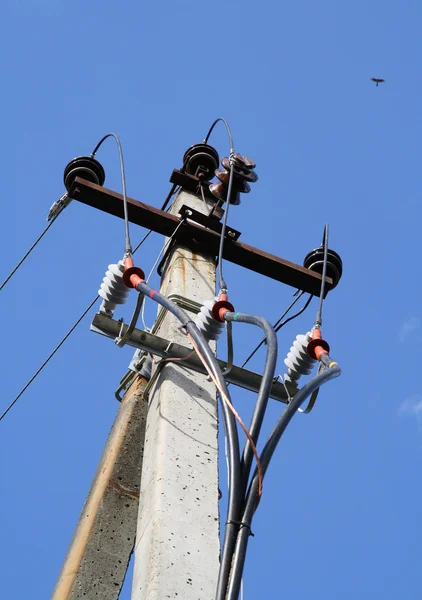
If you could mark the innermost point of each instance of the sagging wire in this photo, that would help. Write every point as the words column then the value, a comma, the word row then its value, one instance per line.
column 128, row 247
column 265, row 458
column 47, row 360
column 85, row 312
column 28, row 252
column 280, row 323
column 221, row 281
column 63, row 201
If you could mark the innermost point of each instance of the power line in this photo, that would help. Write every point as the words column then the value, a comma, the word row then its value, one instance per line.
column 280, row 323
column 47, row 360
column 128, row 247
column 49, row 357
column 28, row 253
column 318, row 318
column 221, row 282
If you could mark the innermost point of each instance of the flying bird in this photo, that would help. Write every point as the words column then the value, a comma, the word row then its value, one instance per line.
column 377, row 81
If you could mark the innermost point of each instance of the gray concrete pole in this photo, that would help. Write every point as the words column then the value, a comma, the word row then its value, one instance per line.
column 97, row 559
column 177, row 540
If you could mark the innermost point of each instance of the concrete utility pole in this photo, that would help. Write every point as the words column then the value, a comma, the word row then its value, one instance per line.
column 96, row 562
column 177, row 540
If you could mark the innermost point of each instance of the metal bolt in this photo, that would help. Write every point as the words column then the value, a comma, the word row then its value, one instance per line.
column 188, row 213
column 231, row 234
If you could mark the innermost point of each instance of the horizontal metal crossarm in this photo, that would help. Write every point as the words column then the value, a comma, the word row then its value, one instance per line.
column 194, row 235
column 160, row 347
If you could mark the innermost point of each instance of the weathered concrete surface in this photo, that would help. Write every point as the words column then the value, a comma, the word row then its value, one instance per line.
column 177, row 542
column 97, row 559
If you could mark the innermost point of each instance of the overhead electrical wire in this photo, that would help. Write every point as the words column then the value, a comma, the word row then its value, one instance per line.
column 265, row 386
column 265, row 457
column 128, row 247
column 241, row 508
column 249, row 451
column 28, row 252
column 318, row 318
column 280, row 323
column 221, row 281
column 128, row 251
column 210, row 363
column 60, row 344
column 123, row 178
column 47, row 360
column 237, row 559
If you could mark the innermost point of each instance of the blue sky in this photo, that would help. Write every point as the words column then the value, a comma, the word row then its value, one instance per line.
column 339, row 516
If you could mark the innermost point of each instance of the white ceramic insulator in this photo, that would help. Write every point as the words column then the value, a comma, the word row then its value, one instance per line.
column 113, row 291
column 206, row 323
column 298, row 360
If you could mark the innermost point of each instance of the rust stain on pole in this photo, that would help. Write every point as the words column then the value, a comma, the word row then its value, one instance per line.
column 115, row 489
column 191, row 234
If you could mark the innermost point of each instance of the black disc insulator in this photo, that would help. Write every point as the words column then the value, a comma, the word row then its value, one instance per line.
column 85, row 167
column 314, row 261
column 201, row 159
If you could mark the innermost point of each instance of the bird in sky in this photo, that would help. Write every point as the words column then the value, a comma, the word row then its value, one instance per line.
column 377, row 81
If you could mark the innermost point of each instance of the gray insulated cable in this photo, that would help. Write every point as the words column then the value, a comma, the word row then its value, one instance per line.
column 235, row 483
column 264, row 389
column 265, row 458
column 231, row 529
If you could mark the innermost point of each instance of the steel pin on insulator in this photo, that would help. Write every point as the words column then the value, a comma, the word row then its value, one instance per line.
column 113, row 291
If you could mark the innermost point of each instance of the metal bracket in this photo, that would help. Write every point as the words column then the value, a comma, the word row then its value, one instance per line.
column 136, row 366
column 206, row 221
column 159, row 346
column 125, row 383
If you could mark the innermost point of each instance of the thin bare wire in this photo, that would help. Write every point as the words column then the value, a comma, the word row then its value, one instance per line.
column 49, row 358
column 280, row 323
column 128, row 247
column 318, row 318
column 221, row 282
column 223, row 120
column 44, row 364
column 28, row 253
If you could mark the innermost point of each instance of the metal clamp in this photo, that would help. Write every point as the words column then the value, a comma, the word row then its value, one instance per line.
column 125, row 383
column 181, row 301
column 122, row 339
column 314, row 395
